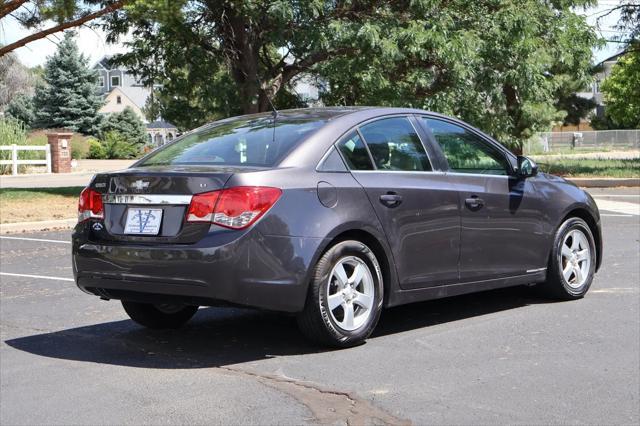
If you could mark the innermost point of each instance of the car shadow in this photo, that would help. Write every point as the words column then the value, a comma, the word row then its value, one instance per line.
column 224, row 336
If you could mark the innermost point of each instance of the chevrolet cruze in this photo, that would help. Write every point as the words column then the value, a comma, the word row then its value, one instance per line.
column 331, row 214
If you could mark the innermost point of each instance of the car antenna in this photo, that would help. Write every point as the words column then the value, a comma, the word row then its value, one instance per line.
column 274, row 111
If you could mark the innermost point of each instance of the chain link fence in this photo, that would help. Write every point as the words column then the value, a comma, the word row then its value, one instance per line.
column 585, row 140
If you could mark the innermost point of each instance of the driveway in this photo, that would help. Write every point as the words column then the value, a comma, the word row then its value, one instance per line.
column 503, row 356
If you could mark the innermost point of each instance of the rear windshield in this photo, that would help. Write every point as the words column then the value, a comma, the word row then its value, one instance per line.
column 255, row 142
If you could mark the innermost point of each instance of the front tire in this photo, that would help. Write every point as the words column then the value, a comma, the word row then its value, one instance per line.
column 345, row 296
column 159, row 317
column 572, row 262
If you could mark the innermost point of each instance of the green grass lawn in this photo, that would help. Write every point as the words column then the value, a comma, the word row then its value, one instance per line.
column 575, row 167
column 29, row 205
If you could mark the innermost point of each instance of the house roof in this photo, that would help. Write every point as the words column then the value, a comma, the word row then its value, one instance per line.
column 160, row 124
column 137, row 95
column 613, row 57
column 104, row 62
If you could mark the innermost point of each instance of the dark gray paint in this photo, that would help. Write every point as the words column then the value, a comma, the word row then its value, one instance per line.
column 434, row 245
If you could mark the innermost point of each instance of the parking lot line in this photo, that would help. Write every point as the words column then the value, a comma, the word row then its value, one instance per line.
column 615, row 195
column 36, row 239
column 36, row 276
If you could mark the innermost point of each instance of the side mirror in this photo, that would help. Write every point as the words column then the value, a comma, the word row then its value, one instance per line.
column 526, row 167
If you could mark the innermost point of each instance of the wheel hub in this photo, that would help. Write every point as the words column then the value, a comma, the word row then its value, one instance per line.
column 350, row 293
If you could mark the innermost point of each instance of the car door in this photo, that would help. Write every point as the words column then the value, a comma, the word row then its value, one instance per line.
column 417, row 207
column 501, row 214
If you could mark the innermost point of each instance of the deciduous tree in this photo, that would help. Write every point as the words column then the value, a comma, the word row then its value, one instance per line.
column 501, row 64
column 622, row 92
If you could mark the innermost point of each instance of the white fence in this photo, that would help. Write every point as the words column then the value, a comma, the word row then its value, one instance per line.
column 15, row 161
column 611, row 139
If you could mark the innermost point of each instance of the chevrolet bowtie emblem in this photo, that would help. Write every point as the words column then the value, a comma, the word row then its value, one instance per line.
column 140, row 185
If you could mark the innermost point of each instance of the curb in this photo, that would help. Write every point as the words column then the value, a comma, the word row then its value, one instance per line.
column 45, row 225
column 605, row 182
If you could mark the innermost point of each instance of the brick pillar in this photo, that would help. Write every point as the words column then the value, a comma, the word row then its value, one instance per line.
column 60, row 151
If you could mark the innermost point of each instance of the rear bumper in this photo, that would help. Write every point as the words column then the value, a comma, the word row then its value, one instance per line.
column 256, row 270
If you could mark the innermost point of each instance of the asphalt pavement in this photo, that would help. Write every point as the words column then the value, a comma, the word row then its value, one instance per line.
column 503, row 356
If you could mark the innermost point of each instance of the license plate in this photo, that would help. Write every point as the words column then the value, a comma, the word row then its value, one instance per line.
column 143, row 221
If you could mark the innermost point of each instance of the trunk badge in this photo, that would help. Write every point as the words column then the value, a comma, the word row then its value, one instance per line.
column 140, row 185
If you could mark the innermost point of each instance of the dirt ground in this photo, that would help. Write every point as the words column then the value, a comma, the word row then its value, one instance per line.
column 49, row 207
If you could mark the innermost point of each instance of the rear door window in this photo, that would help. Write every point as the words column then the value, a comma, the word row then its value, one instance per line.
column 255, row 142
column 395, row 145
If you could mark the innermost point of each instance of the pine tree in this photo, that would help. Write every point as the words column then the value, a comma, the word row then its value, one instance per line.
column 128, row 125
column 69, row 98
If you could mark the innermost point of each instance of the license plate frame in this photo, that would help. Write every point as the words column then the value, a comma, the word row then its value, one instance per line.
column 143, row 221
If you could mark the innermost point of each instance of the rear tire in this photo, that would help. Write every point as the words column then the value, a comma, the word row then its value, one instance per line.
column 345, row 296
column 159, row 316
column 572, row 262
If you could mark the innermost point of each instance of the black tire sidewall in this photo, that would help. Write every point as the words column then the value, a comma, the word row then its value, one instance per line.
column 321, row 278
column 150, row 316
column 556, row 258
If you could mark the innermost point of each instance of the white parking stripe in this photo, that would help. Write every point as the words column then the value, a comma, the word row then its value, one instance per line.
column 616, row 215
column 619, row 207
column 36, row 239
column 615, row 195
column 36, row 276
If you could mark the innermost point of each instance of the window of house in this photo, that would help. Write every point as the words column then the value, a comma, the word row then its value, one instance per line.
column 118, row 100
column 355, row 153
column 115, row 80
column 395, row 145
column 466, row 152
column 101, row 81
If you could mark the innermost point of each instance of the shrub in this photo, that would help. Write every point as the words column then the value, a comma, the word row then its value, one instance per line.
column 128, row 125
column 113, row 146
column 96, row 150
column 118, row 146
column 79, row 147
column 13, row 132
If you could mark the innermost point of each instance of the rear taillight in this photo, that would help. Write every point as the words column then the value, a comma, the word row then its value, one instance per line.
column 90, row 205
column 234, row 208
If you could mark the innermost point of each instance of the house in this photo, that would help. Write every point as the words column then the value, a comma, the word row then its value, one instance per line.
column 593, row 92
column 122, row 89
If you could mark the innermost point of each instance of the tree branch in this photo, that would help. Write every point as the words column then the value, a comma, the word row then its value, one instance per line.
column 61, row 27
column 10, row 6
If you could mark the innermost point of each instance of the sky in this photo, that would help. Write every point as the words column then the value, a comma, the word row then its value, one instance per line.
column 92, row 42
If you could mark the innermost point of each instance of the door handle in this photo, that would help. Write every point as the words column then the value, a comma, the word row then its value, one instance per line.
column 391, row 199
column 474, row 203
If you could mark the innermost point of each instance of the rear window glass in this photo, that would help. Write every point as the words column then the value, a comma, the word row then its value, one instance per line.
column 355, row 153
column 255, row 142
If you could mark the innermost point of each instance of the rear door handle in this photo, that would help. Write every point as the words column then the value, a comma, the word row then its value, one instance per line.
column 391, row 199
column 474, row 202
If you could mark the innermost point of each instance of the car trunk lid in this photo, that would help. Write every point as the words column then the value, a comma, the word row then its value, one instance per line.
column 165, row 192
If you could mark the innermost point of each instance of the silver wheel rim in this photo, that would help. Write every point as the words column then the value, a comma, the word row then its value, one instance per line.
column 350, row 293
column 575, row 258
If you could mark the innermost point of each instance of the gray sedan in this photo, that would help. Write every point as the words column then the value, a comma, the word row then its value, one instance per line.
column 331, row 214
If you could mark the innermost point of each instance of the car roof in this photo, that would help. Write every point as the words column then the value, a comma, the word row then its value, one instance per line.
column 323, row 113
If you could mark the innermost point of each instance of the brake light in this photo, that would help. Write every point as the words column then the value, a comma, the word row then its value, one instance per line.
column 90, row 205
column 234, row 208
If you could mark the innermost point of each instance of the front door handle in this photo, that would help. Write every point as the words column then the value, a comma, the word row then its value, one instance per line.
column 391, row 199
column 474, row 203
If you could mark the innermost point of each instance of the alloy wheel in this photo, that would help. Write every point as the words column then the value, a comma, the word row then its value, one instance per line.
column 575, row 258
column 350, row 293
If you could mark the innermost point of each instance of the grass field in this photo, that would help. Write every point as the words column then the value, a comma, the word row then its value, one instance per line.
column 580, row 167
column 29, row 205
